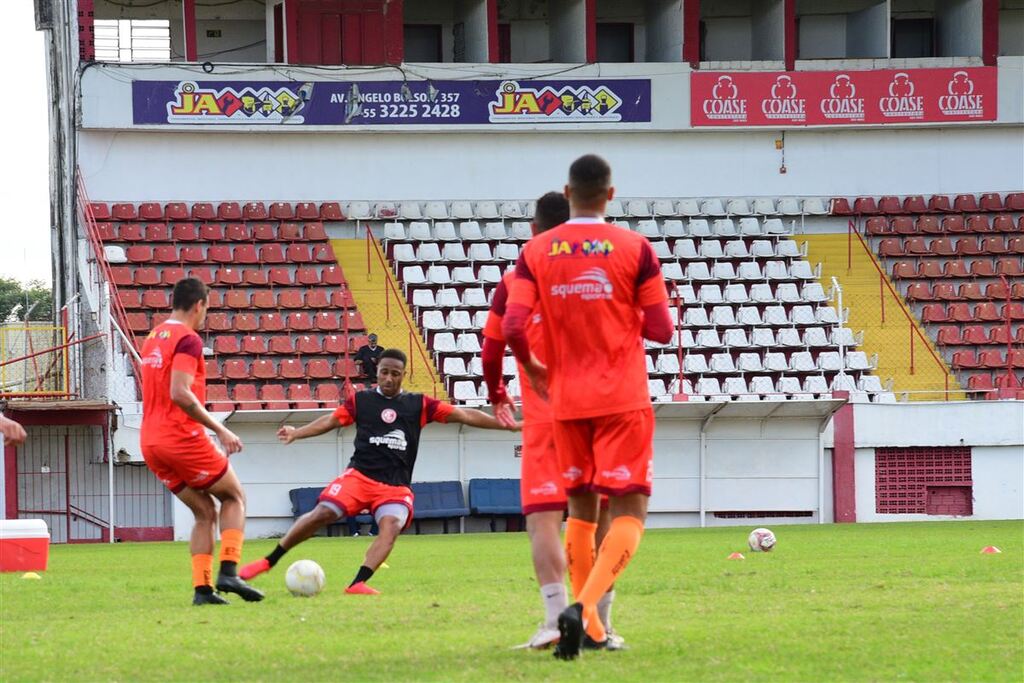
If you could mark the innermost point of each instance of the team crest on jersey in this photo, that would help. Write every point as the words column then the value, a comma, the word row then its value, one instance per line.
column 581, row 248
column 164, row 334
column 388, row 415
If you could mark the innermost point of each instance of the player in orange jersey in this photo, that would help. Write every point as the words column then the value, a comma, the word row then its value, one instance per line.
column 600, row 291
column 541, row 491
column 179, row 452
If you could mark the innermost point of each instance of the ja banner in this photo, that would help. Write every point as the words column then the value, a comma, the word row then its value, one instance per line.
column 366, row 103
column 825, row 98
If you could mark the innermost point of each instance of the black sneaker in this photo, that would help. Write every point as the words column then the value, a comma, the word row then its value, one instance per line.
column 570, row 629
column 591, row 644
column 233, row 584
column 209, row 599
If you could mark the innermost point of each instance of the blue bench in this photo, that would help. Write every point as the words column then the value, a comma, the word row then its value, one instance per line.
column 442, row 500
column 496, row 498
column 305, row 499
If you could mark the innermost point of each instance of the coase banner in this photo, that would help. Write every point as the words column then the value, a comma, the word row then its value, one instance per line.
column 824, row 98
column 366, row 103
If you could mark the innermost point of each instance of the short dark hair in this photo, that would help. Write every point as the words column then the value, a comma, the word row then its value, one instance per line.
column 187, row 292
column 552, row 209
column 590, row 176
column 394, row 354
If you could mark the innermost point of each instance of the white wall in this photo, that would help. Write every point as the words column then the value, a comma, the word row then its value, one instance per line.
column 867, row 32
column 958, row 27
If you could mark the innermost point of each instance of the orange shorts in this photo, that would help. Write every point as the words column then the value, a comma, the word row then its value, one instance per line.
column 353, row 492
column 610, row 454
column 196, row 462
column 540, row 481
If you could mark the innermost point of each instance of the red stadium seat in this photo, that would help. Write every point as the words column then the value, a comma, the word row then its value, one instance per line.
column 1018, row 337
column 170, row 276
column 1016, row 358
column 217, row 399
column 302, row 397
column 955, row 268
column 271, row 322
column 228, row 276
column 986, row 312
column 968, row 246
column 237, row 232
column 982, row 267
column 307, row 211
column 176, row 211
column 324, row 253
column 342, row 298
column 216, row 298
column 229, row 211
column 945, row 291
column 981, row 382
column 273, row 397
column 264, row 298
column 157, row 232
column 130, row 298
column 246, row 397
column 289, row 232
column 328, row 393
column 970, row 291
column 299, row 253
column 282, row 211
column 346, row 367
column 300, row 322
column 1017, row 290
column 919, row 291
column 165, row 253
column 840, row 206
column 290, row 298
column 184, row 232
column 319, row 369
column 940, row 246
column 121, row 276
column 991, row 201
column 124, row 212
column 281, row 343
column 254, row 344
column 245, row 254
column 206, row 275
column 106, row 232
column 914, row 204
column 307, row 275
column 156, row 298
column 356, row 341
column 291, row 368
column 965, row 360
column 257, row 277
column 961, row 313
column 327, row 322
column 1015, row 245
column 929, row 225
column 160, row 317
column 999, row 336
column 316, row 298
column 949, row 335
column 954, row 224
column 151, row 211
column 355, row 321
column 226, row 345
column 314, row 232
column 219, row 253
column 264, row 369
column 335, row 344
column 890, row 205
column 974, row 335
column 237, row 299
column 192, row 255
column 255, row 211
column 878, row 225
column 139, row 253
column 203, row 211
column 246, row 322
column 904, row 225
column 904, row 270
column 271, row 253
column 332, row 275
column 978, row 223
column 211, row 232
column 939, row 203
column 991, row 358
column 146, row 277
column 218, row 322
column 865, row 206
column 212, row 369
column 331, row 211
column 994, row 244
column 965, row 203
column 308, row 345
column 1013, row 311
column 1003, row 222
column 100, row 211
column 264, row 232
column 236, row 369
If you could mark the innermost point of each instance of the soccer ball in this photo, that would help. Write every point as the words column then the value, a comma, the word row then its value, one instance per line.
column 761, row 540
column 305, row 578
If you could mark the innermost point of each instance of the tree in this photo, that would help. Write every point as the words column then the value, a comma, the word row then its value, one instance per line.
column 14, row 295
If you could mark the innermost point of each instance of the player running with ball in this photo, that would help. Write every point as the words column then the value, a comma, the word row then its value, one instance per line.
column 388, row 424
column 600, row 291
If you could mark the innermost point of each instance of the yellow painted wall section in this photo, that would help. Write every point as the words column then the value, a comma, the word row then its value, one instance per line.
column 387, row 315
column 889, row 339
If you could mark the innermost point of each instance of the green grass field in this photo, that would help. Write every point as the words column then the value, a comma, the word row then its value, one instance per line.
column 855, row 602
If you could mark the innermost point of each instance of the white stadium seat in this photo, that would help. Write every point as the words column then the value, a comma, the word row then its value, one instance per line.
column 698, row 270
column 394, row 231
column 521, row 230
column 788, row 336
column 762, row 385
column 664, row 207
column 668, row 364
column 358, row 210
column 468, row 342
column 464, row 275
column 749, row 316
column 815, row 207
column 813, row 292
column 410, row 210
column 789, row 206
column 419, row 231
column 749, row 362
column 463, row 210
column 723, row 270
column 495, row 232
column 698, row 227
column 404, row 253
column 672, row 271
column 802, row 361
column 490, row 274
column 385, row 210
column 638, row 207
column 511, row 210
column 738, row 207
column 801, row 270
column 444, row 342
column 480, row 251
column 712, row 207
column 802, row 315
column 648, row 228
column 460, row 320
column 694, row 364
column 711, row 249
column 687, row 207
column 445, row 231
column 815, row 337
column 815, row 384
column 506, row 251
column 470, row 231
column 724, row 227
column 436, row 210
column 723, row 316
column 750, row 270
column 710, row 294
column 750, row 227
column 764, row 206
column 448, row 298
column 685, row 249
column 709, row 386
column 829, row 361
column 722, row 362
column 695, row 317
column 775, row 226
column 662, row 250
column 475, row 297
column 413, row 275
column 787, row 293
column 736, row 249
column 428, row 251
column 857, row 360
column 424, row 298
column 736, row 338
column 455, row 366
column 826, row 315
column 708, row 339
column 787, row 249
column 673, row 227
column 487, row 210
column 439, row 275
column 775, row 361
column 434, row 320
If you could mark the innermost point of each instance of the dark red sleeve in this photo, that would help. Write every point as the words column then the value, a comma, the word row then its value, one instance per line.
column 190, row 345
column 500, row 300
column 434, row 411
column 649, row 266
column 657, row 323
column 523, row 269
column 492, row 355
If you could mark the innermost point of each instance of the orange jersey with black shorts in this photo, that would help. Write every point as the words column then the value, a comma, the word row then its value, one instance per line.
column 540, row 480
column 591, row 281
column 386, row 446
column 176, row 447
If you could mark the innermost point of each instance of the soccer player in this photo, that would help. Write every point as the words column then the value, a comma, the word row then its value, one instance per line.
column 11, row 433
column 388, row 424
column 541, row 491
column 179, row 452
column 599, row 290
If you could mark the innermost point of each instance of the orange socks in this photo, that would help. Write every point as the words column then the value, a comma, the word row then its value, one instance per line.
column 580, row 548
column 617, row 550
column 231, row 545
column 202, row 570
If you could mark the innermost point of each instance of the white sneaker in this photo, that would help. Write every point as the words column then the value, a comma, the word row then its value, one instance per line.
column 615, row 641
column 545, row 637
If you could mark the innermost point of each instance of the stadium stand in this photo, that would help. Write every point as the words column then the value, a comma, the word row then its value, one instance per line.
column 958, row 262
column 443, row 500
column 304, row 499
column 494, row 499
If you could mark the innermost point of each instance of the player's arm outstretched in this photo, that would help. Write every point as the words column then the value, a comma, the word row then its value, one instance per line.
column 321, row 425
column 477, row 418
column 181, row 394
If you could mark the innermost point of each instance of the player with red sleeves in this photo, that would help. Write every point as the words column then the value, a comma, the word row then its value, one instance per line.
column 600, row 291
column 177, row 449
column 388, row 425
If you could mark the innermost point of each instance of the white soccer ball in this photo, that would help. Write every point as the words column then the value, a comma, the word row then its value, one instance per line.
column 761, row 540
column 305, row 578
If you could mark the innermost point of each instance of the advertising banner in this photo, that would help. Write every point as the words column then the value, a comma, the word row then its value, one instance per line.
column 823, row 98
column 365, row 103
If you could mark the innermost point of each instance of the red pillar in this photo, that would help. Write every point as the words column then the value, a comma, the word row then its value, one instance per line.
column 291, row 31
column 86, row 31
column 492, row 32
column 691, row 32
column 591, row 19
column 188, row 17
column 844, row 486
column 394, row 18
column 11, row 482
column 789, row 10
column 989, row 32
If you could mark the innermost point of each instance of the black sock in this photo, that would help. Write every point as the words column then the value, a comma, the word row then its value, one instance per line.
column 363, row 574
column 275, row 555
column 228, row 568
column 204, row 590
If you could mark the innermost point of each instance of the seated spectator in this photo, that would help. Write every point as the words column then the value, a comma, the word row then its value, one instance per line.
column 367, row 357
